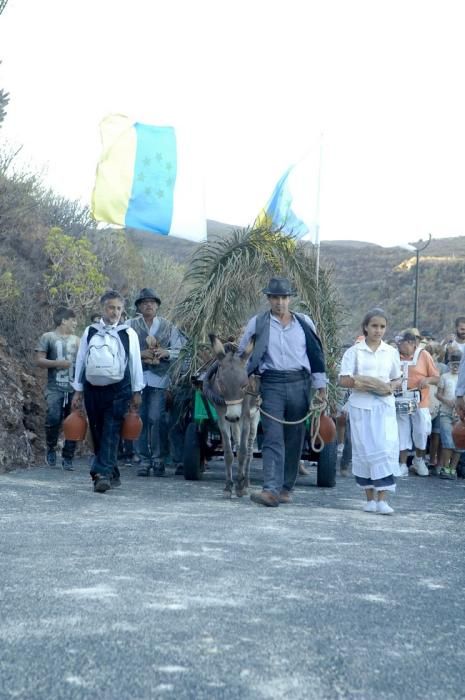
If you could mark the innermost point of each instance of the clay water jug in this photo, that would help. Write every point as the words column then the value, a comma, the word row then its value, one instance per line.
column 131, row 426
column 75, row 426
column 327, row 429
column 458, row 435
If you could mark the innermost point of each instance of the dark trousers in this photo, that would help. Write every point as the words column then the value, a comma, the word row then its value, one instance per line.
column 58, row 408
column 286, row 396
column 105, row 411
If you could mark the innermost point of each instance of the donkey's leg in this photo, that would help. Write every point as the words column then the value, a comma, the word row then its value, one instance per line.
column 228, row 454
column 241, row 484
column 253, row 427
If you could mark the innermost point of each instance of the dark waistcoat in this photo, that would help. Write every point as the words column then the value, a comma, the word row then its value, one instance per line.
column 262, row 337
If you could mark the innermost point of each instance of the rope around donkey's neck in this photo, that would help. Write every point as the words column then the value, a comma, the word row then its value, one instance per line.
column 317, row 406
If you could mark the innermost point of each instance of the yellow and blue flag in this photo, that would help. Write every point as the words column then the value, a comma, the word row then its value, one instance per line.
column 292, row 207
column 140, row 182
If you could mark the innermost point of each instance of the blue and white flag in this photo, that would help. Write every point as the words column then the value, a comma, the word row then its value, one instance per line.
column 145, row 181
column 293, row 205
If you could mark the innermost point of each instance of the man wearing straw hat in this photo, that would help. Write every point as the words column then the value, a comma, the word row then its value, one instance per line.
column 289, row 359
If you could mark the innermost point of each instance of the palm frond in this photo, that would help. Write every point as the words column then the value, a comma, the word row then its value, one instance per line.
column 222, row 289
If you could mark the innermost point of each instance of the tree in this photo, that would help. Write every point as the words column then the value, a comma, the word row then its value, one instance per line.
column 4, row 99
column 74, row 277
column 4, row 96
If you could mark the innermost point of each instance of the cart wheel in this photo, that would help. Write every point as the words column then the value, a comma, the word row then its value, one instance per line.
column 327, row 458
column 192, row 470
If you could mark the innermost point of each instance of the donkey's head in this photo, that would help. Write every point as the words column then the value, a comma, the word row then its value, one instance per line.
column 231, row 379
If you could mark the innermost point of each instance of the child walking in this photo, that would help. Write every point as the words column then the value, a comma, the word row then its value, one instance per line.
column 450, row 456
column 371, row 369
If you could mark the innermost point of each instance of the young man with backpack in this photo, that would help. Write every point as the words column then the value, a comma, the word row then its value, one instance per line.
column 56, row 352
column 109, row 378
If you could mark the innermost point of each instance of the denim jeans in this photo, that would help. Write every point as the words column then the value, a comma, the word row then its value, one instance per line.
column 105, row 411
column 153, row 440
column 282, row 444
column 58, row 408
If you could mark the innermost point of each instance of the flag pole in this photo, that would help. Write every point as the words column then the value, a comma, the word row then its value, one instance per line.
column 317, row 214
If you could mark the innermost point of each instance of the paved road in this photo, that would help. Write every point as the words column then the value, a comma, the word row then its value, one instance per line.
column 161, row 589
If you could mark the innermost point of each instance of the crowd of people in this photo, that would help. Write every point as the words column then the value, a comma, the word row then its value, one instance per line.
column 399, row 396
column 402, row 399
column 117, row 365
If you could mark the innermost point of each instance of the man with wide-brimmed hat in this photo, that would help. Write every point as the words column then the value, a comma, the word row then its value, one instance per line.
column 160, row 343
column 289, row 359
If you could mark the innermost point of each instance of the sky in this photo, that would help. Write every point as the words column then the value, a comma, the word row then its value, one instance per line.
column 257, row 84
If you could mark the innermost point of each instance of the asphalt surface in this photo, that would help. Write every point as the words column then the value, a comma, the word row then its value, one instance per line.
column 161, row 589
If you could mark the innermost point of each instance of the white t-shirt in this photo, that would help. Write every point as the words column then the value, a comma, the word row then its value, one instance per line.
column 447, row 385
column 383, row 363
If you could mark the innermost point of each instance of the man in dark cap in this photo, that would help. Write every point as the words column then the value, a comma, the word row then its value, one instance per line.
column 289, row 359
column 160, row 343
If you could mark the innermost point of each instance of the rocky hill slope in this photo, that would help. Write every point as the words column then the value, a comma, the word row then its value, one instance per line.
column 21, row 413
column 370, row 275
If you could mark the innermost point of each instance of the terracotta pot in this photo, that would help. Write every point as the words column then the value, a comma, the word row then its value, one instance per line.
column 75, row 426
column 342, row 419
column 327, row 429
column 131, row 427
column 458, row 435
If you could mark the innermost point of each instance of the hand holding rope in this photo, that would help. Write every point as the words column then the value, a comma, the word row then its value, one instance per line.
column 317, row 406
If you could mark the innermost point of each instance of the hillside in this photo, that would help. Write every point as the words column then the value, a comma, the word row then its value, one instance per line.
column 178, row 248
column 368, row 275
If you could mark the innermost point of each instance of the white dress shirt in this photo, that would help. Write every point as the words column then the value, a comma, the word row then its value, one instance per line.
column 382, row 363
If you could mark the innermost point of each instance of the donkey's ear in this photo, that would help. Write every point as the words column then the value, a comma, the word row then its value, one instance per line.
column 248, row 350
column 217, row 346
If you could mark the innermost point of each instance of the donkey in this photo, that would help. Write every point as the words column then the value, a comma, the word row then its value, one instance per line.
column 236, row 400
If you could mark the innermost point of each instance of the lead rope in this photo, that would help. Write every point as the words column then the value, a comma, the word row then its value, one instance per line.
column 317, row 407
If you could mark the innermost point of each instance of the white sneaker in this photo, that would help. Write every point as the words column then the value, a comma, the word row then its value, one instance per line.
column 340, row 449
column 370, row 507
column 403, row 471
column 384, row 508
column 419, row 466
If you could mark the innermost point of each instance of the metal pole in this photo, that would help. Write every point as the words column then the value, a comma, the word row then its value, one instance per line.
column 415, row 303
column 317, row 213
column 418, row 250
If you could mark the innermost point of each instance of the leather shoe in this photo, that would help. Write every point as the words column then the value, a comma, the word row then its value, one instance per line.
column 285, row 496
column 264, row 498
column 158, row 468
column 101, row 483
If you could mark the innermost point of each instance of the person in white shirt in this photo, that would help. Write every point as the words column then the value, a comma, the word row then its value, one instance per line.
column 371, row 370
column 107, row 405
column 450, row 456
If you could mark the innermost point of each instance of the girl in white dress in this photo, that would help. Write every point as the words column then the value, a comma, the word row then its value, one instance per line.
column 371, row 369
